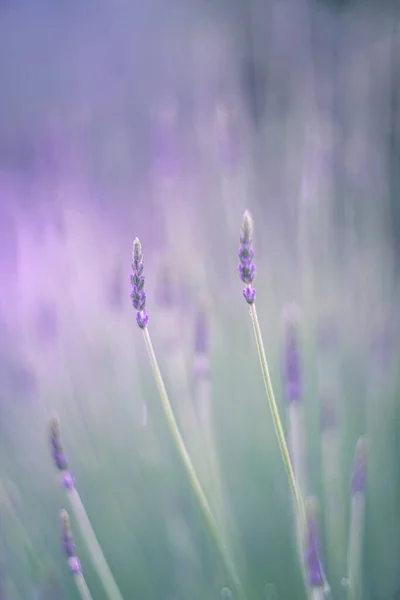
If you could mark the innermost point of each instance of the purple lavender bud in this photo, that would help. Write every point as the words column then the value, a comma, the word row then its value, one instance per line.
column 138, row 294
column 327, row 334
column 55, row 442
column 247, row 270
column 291, row 366
column 201, row 341
column 60, row 460
column 75, row 565
column 313, row 564
column 359, row 474
column 68, row 544
column 165, row 292
column 67, row 480
column 329, row 417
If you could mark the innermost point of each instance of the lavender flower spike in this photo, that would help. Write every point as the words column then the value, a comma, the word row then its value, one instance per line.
column 359, row 474
column 291, row 367
column 88, row 534
column 247, row 273
column 60, row 461
column 138, row 295
column 74, row 564
column 312, row 558
column 139, row 301
column 247, row 269
column 357, row 519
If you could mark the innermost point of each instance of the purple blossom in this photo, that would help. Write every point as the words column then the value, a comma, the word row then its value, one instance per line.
column 75, row 565
column 138, row 295
column 359, row 474
column 60, row 461
column 165, row 292
column 247, row 269
column 329, row 416
column 201, row 341
column 313, row 564
column 67, row 480
column 56, row 448
column 291, row 366
column 68, row 544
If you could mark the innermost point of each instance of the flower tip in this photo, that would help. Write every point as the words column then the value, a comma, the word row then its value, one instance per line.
column 65, row 522
column 55, row 424
column 137, row 249
column 312, row 507
column 361, row 448
column 247, row 226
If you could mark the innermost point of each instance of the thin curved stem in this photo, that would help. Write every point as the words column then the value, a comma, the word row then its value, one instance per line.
column 276, row 419
column 355, row 546
column 95, row 551
column 194, row 481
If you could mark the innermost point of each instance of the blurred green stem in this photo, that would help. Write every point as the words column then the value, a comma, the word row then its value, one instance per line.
column 355, row 546
column 276, row 419
column 95, row 551
column 82, row 587
column 194, row 481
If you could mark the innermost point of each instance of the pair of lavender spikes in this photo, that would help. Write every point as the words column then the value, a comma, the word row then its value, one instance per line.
column 138, row 297
column 68, row 482
column 69, row 548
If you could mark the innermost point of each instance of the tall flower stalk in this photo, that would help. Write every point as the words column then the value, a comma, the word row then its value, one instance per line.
column 138, row 297
column 315, row 573
column 68, row 482
column 292, row 385
column 247, row 272
column 357, row 516
column 74, row 564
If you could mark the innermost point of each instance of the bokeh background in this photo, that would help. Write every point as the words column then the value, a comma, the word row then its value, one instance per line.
column 165, row 120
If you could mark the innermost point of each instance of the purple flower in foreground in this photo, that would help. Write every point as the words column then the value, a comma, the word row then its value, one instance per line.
column 247, row 270
column 60, row 461
column 56, row 448
column 68, row 544
column 138, row 295
column 201, row 341
column 313, row 564
column 291, row 366
column 359, row 474
column 329, row 416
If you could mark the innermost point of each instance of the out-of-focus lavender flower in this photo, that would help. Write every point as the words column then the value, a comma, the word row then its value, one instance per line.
column 359, row 474
column 68, row 544
column 329, row 416
column 227, row 144
column 165, row 150
column 56, row 447
column 291, row 366
column 164, row 293
column 247, row 269
column 60, row 461
column 327, row 334
column 312, row 559
column 202, row 342
column 383, row 346
column 138, row 294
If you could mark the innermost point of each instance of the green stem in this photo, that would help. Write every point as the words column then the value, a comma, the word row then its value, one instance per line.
column 96, row 553
column 355, row 546
column 194, row 481
column 82, row 587
column 276, row 419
